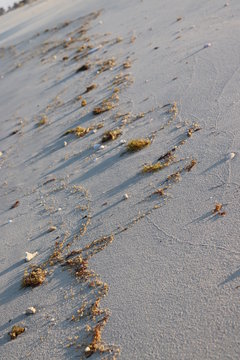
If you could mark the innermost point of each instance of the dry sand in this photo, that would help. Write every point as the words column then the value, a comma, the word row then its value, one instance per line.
column 173, row 266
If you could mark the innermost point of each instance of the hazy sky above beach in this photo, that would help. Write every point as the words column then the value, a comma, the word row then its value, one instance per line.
column 6, row 3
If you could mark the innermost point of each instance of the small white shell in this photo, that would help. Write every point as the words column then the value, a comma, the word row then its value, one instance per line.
column 1, row 154
column 231, row 156
column 65, row 143
column 87, row 349
column 10, row 221
column 30, row 256
column 59, row 209
column 122, row 142
column 98, row 147
column 125, row 196
column 31, row 310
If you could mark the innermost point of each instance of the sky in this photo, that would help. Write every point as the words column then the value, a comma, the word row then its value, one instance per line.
column 6, row 3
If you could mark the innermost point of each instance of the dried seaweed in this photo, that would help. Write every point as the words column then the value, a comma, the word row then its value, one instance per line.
column 34, row 278
column 16, row 331
column 111, row 135
column 137, row 144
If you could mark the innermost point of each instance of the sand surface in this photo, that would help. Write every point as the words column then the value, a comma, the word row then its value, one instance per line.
column 170, row 279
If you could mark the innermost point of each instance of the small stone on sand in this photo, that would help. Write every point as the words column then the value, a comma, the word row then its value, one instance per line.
column 31, row 310
column 30, row 256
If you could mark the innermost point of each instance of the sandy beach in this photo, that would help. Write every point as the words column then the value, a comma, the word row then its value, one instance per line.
column 119, row 175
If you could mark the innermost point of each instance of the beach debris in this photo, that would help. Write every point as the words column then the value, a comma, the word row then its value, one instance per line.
column 52, row 228
column 231, row 156
column 29, row 256
column 65, row 58
column 65, row 143
column 59, row 209
column 119, row 39
column 16, row 204
column 106, row 65
column 217, row 210
column 153, row 167
column 103, row 107
column 195, row 127
column 83, row 68
column 125, row 196
column 207, row 45
column 84, row 102
column 90, row 87
column 1, row 153
column 49, row 180
column 78, row 131
column 10, row 221
column 34, row 278
column 16, row 331
column 31, row 310
column 43, row 120
column 179, row 18
column 122, row 142
column 111, row 135
column 159, row 192
column 127, row 64
column 137, row 144
column 191, row 165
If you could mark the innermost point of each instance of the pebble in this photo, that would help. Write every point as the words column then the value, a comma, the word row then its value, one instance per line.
column 10, row 221
column 30, row 256
column 207, row 45
column 125, row 196
column 122, row 142
column 31, row 310
column 65, row 143
column 52, row 228
column 231, row 156
column 59, row 209
column 1, row 154
column 87, row 349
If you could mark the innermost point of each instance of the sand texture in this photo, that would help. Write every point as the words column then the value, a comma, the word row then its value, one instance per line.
column 119, row 176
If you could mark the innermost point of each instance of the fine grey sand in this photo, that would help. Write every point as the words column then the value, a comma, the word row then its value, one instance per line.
column 137, row 263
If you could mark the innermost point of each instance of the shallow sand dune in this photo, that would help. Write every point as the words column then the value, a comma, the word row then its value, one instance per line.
column 119, row 166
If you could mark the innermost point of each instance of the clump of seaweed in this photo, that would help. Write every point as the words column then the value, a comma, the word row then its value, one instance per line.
column 43, row 120
column 152, row 167
column 16, row 204
column 83, row 68
column 107, row 65
column 103, row 107
column 111, row 135
column 78, row 131
column 127, row 64
column 175, row 177
column 90, row 88
column 191, row 165
column 16, row 330
column 195, row 127
column 35, row 278
column 137, row 144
